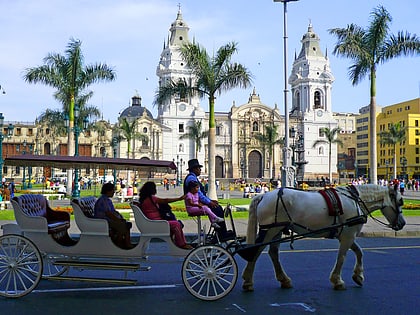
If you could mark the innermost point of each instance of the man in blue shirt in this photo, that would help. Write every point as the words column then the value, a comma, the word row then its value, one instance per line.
column 194, row 168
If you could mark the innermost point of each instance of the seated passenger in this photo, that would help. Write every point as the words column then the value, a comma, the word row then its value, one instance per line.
column 149, row 204
column 195, row 207
column 119, row 227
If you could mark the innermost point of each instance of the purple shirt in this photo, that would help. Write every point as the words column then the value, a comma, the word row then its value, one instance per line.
column 102, row 206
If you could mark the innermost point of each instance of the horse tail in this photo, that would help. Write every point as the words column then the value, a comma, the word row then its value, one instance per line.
column 252, row 220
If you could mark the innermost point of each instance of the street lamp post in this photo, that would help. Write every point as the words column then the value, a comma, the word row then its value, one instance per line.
column 8, row 135
column 288, row 173
column 114, row 151
column 177, row 171
column 77, row 130
column 403, row 161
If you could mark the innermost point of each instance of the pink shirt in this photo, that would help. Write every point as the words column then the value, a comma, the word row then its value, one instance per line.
column 149, row 209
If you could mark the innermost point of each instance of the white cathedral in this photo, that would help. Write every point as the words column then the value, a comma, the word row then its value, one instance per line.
column 238, row 152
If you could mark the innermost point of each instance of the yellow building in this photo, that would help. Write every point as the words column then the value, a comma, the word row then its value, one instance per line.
column 408, row 152
column 362, row 138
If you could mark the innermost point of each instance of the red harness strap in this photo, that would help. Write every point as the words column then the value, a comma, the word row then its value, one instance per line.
column 333, row 201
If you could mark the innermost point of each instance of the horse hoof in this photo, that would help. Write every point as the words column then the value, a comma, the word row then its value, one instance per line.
column 247, row 288
column 358, row 279
column 340, row 287
column 286, row 285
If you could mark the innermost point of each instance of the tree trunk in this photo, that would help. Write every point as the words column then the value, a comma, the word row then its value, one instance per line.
column 372, row 124
column 70, row 148
column 212, row 194
column 395, row 162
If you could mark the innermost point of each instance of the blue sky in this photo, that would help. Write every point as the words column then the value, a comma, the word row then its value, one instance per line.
column 129, row 34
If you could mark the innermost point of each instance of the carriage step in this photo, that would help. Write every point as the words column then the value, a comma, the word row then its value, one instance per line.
column 95, row 280
column 99, row 265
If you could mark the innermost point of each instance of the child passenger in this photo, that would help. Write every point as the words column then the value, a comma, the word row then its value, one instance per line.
column 195, row 207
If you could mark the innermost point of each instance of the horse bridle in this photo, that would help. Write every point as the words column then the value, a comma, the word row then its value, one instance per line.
column 397, row 210
column 355, row 196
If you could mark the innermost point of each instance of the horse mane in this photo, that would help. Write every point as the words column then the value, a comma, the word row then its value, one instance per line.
column 369, row 191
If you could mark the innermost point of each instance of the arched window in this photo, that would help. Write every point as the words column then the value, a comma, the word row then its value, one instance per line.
column 297, row 100
column 317, row 99
column 321, row 150
column 255, row 126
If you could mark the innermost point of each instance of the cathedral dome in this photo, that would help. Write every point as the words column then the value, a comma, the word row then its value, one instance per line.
column 135, row 110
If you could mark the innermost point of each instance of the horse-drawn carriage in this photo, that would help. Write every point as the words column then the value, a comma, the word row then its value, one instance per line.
column 40, row 247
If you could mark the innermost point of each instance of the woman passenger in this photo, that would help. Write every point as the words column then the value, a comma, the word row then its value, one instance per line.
column 149, row 204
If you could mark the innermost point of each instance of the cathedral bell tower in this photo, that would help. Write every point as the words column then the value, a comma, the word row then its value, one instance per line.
column 311, row 83
column 180, row 111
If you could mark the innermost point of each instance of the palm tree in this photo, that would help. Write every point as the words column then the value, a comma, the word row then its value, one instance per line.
column 196, row 134
column 70, row 77
column 213, row 74
column 368, row 48
column 128, row 130
column 270, row 139
column 395, row 134
column 330, row 138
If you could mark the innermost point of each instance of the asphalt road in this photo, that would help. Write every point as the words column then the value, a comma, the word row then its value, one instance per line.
column 391, row 286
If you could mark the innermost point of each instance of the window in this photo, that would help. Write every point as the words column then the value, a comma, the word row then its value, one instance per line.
column 417, row 141
column 145, row 130
column 317, row 99
column 321, row 133
column 18, row 131
column 416, row 123
column 218, row 130
column 417, row 151
column 181, row 128
column 321, row 150
column 417, row 132
column 297, row 100
column 30, row 132
column 255, row 126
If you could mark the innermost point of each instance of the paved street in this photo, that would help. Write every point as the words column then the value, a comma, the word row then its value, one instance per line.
column 370, row 229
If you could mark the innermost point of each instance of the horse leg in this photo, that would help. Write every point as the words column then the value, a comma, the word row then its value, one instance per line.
column 281, row 276
column 335, row 277
column 248, row 273
column 358, row 276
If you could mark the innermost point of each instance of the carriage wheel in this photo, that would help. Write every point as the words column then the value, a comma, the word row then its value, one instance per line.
column 20, row 266
column 209, row 272
column 51, row 270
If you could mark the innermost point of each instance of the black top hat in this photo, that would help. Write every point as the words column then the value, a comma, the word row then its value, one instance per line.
column 193, row 164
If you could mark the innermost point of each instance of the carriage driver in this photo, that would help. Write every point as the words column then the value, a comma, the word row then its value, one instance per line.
column 119, row 227
column 194, row 169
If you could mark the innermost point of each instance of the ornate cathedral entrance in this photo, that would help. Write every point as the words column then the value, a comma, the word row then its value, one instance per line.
column 255, row 165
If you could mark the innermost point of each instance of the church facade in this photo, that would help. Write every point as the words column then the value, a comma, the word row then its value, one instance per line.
column 243, row 146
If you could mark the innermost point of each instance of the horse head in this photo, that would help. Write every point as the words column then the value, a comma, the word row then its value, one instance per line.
column 393, row 209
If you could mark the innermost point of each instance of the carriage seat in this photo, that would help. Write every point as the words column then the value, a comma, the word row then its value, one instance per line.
column 83, row 209
column 33, row 213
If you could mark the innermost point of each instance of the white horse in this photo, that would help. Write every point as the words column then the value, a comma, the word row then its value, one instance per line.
column 306, row 213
